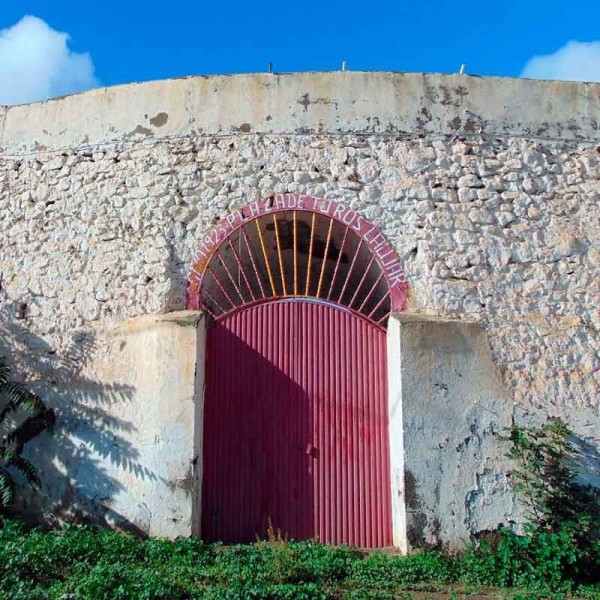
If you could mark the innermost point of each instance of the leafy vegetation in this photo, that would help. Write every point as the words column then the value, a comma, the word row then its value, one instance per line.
column 23, row 415
column 546, row 469
column 564, row 513
column 79, row 563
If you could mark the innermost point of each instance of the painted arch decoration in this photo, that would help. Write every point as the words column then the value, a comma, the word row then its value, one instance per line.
column 296, row 246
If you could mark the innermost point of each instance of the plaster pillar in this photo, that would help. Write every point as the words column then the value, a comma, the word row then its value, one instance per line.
column 154, row 466
column 448, row 409
column 396, row 435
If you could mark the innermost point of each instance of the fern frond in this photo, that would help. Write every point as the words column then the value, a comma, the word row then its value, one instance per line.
column 28, row 471
column 8, row 453
column 16, row 397
column 7, row 488
column 4, row 371
column 20, row 398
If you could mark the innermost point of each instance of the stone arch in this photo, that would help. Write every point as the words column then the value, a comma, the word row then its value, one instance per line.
column 295, row 246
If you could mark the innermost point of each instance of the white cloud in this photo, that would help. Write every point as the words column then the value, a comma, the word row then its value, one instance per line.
column 575, row 61
column 36, row 63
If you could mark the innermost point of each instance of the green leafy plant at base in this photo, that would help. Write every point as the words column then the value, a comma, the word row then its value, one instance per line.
column 23, row 415
column 564, row 513
column 280, row 554
column 89, row 563
column 559, row 551
column 388, row 572
column 535, row 561
column 545, row 476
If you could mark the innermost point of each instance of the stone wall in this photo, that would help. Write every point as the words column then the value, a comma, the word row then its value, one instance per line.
column 490, row 199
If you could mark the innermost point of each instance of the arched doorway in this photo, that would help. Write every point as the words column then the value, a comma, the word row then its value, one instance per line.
column 295, row 432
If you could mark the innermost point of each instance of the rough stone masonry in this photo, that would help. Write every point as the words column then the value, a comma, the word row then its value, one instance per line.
column 488, row 189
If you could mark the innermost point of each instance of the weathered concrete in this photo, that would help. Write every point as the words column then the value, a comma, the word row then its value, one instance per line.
column 306, row 103
column 396, row 434
column 198, row 426
column 455, row 409
column 130, row 422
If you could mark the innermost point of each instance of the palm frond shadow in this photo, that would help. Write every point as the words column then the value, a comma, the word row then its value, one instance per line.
column 77, row 459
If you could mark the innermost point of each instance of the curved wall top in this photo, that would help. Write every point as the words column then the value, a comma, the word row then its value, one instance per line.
column 303, row 103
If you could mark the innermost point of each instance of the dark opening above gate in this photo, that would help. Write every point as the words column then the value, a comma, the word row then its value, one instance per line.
column 295, row 253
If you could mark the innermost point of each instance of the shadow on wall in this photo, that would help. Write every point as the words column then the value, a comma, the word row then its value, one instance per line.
column 257, row 427
column 588, row 467
column 73, row 457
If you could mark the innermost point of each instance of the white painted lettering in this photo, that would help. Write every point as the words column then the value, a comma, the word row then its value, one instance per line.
column 388, row 253
column 369, row 232
column 231, row 219
column 377, row 241
column 357, row 225
column 325, row 206
column 279, row 201
column 396, row 277
column 381, row 250
column 339, row 211
column 349, row 217
column 388, row 264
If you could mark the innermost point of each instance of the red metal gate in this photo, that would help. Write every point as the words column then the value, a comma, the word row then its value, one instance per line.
column 296, row 426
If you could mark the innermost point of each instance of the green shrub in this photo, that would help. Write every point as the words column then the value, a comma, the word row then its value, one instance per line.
column 23, row 416
column 389, row 572
column 81, row 563
column 254, row 591
column 327, row 563
column 44, row 556
column 565, row 515
column 122, row 581
column 536, row 561
column 591, row 592
column 545, row 474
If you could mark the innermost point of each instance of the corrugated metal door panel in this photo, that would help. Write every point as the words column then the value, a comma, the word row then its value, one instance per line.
column 344, row 374
column 296, row 429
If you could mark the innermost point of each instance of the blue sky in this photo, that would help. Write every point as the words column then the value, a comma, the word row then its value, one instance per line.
column 129, row 40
